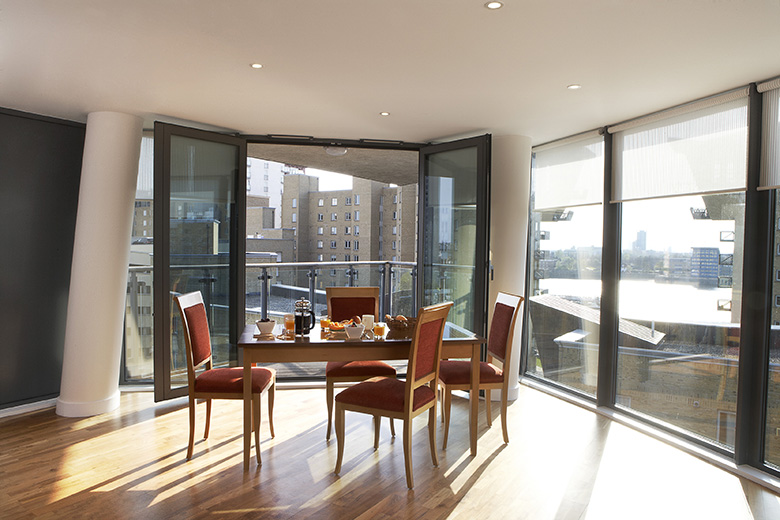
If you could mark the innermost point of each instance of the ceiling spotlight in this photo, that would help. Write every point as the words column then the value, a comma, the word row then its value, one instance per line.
column 574, row 86
column 494, row 5
column 335, row 151
column 257, row 66
column 384, row 113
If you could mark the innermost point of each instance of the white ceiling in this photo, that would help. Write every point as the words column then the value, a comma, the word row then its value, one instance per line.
column 441, row 68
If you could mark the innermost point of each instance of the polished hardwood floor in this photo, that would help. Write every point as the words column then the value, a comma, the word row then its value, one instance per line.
column 562, row 462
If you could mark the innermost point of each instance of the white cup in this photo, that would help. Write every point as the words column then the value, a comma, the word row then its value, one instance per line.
column 368, row 321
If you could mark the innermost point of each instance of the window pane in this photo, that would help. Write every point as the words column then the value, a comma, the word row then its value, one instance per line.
column 770, row 176
column 565, row 283
column 679, row 304
column 772, row 440
column 565, row 253
column 202, row 195
column 139, row 323
column 450, row 214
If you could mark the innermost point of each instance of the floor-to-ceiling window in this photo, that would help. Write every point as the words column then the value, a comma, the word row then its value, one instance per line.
column 565, row 254
column 770, row 179
column 681, row 178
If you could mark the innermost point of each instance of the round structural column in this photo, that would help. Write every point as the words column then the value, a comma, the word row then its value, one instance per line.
column 510, row 191
column 98, row 280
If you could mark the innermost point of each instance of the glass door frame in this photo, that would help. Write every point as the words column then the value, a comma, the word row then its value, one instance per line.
column 482, row 260
column 161, row 262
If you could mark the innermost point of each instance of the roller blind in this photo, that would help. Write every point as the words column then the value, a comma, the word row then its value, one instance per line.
column 770, row 147
column 568, row 173
column 698, row 148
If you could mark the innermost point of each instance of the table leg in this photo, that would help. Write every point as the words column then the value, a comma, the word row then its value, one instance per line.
column 247, row 408
column 474, row 398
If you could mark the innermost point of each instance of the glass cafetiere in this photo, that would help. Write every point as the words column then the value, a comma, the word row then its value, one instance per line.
column 304, row 317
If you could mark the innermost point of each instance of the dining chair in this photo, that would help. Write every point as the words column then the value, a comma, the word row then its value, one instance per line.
column 217, row 383
column 344, row 303
column 456, row 374
column 405, row 400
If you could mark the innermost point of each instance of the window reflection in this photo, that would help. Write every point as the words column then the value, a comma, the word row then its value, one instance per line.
column 564, row 308
column 679, row 304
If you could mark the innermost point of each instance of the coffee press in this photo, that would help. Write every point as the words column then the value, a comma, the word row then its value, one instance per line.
column 304, row 317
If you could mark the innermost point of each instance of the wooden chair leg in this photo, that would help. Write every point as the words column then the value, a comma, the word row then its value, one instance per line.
column 192, row 429
column 408, row 452
column 445, row 410
column 208, row 419
column 271, row 395
column 339, row 436
column 329, row 397
column 392, row 427
column 432, row 434
column 256, row 424
column 503, row 416
column 377, row 423
column 488, row 410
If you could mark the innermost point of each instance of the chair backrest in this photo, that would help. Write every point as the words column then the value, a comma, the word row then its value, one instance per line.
column 425, row 352
column 345, row 302
column 197, row 337
column 502, row 326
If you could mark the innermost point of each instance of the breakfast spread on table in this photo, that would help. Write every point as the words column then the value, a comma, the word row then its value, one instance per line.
column 338, row 329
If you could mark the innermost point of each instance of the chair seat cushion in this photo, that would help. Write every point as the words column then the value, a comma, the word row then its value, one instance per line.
column 453, row 372
column 358, row 369
column 384, row 393
column 231, row 380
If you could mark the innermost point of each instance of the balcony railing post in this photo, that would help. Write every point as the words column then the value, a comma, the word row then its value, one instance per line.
column 264, row 291
column 351, row 272
column 414, row 292
column 207, row 281
column 312, row 274
column 384, row 290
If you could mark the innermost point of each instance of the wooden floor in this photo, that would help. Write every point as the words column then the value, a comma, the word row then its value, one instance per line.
column 563, row 462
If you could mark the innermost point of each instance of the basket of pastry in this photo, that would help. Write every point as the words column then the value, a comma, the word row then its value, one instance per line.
column 399, row 327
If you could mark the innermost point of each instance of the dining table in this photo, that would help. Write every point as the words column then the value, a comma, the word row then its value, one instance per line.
column 318, row 346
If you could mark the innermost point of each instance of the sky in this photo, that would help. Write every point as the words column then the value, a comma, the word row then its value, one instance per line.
column 331, row 181
column 667, row 222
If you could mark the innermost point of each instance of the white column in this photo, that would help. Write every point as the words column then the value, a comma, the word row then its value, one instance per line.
column 98, row 280
column 510, row 191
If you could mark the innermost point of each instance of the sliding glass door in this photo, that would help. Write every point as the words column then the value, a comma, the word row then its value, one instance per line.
column 200, row 179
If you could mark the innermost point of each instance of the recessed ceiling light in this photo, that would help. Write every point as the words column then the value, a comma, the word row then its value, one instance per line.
column 335, row 151
column 574, row 86
column 257, row 66
column 384, row 113
column 494, row 5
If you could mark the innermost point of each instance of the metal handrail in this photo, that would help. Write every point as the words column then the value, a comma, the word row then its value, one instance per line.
column 385, row 269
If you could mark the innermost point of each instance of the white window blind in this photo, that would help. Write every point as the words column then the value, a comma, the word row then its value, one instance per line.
column 697, row 148
column 770, row 147
column 568, row 173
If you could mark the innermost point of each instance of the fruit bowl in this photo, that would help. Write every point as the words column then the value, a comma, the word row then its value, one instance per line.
column 354, row 331
column 265, row 327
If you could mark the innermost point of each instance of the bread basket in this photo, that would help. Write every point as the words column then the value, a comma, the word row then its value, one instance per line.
column 400, row 329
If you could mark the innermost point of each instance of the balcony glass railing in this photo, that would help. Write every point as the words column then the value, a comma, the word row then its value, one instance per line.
column 271, row 291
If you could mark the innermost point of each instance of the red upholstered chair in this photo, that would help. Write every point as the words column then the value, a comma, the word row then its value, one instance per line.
column 343, row 304
column 217, row 383
column 455, row 374
column 389, row 397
